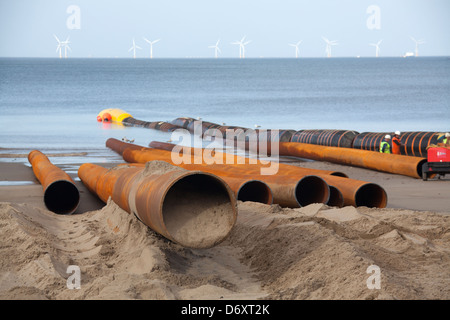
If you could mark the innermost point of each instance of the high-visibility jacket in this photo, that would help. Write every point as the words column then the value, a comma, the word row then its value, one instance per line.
column 396, row 145
column 385, row 147
column 442, row 139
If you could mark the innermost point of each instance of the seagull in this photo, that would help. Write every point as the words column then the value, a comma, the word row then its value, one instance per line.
column 257, row 126
column 127, row 140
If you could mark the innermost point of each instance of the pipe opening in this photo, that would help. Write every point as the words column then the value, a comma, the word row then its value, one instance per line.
column 419, row 167
column 336, row 198
column 199, row 211
column 339, row 174
column 312, row 189
column 256, row 191
column 371, row 195
column 62, row 197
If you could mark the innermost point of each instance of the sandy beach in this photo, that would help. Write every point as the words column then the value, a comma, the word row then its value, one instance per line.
column 313, row 252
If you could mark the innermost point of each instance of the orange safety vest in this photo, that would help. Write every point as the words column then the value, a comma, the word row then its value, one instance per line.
column 395, row 146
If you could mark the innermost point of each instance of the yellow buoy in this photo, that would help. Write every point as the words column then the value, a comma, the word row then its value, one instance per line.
column 113, row 115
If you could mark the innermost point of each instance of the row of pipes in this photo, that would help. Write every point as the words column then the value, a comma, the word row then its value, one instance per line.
column 414, row 143
column 336, row 146
column 291, row 186
column 182, row 200
column 179, row 204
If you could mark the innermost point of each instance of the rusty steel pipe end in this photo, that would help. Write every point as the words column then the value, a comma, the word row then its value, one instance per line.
column 419, row 167
column 371, row 195
column 198, row 210
column 62, row 197
column 256, row 191
column 311, row 189
column 336, row 198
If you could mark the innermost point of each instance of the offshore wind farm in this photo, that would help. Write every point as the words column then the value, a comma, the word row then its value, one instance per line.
column 242, row 43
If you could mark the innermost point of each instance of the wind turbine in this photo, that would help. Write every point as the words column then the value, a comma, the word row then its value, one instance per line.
column 242, row 45
column 134, row 47
column 329, row 44
column 296, row 47
column 216, row 48
column 65, row 44
column 59, row 46
column 151, row 46
column 417, row 44
column 377, row 46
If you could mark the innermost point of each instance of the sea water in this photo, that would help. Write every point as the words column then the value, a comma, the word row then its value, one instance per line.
column 52, row 104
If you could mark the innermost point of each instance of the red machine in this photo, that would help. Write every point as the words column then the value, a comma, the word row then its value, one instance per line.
column 438, row 162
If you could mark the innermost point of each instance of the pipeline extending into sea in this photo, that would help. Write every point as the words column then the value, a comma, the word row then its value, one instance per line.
column 414, row 143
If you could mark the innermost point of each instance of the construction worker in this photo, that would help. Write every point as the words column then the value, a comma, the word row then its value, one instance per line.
column 444, row 139
column 385, row 146
column 396, row 143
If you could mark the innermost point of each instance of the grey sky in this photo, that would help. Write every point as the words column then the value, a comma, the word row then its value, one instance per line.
column 187, row 28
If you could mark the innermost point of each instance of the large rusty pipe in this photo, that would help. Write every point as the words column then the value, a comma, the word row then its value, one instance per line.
column 60, row 193
column 359, row 193
column 294, row 192
column 194, row 209
column 249, row 189
column 391, row 163
column 119, row 146
column 354, row 192
column 222, row 157
column 336, row 197
column 244, row 189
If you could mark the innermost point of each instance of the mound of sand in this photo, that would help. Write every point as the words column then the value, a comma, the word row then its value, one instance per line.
column 314, row 252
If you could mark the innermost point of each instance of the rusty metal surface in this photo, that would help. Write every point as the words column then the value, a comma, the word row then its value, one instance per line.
column 284, row 182
column 391, row 163
column 223, row 157
column 144, row 191
column 60, row 193
column 298, row 190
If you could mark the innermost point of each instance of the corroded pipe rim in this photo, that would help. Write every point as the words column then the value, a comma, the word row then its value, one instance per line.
column 336, row 198
column 266, row 197
column 371, row 195
column 62, row 197
column 314, row 187
column 221, row 183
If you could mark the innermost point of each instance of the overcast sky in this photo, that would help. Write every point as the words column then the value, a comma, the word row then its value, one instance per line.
column 100, row 28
